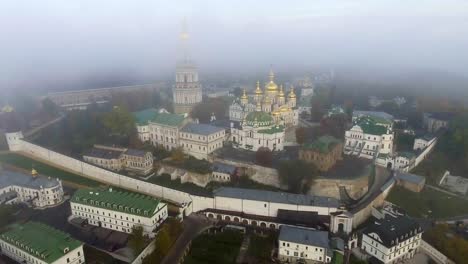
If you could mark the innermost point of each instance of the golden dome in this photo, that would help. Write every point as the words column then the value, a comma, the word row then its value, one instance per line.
column 258, row 90
column 291, row 93
column 275, row 113
column 244, row 95
column 271, row 85
column 281, row 92
column 284, row 108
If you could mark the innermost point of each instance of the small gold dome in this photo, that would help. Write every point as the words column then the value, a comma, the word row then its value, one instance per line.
column 244, row 95
column 7, row 109
column 271, row 85
column 281, row 92
column 258, row 90
column 291, row 93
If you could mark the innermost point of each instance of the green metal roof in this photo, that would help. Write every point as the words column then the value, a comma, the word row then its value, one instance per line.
column 259, row 118
column 152, row 115
column 323, row 144
column 40, row 240
column 371, row 125
column 126, row 202
column 275, row 129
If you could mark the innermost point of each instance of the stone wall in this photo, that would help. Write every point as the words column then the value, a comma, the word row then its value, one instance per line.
column 356, row 188
column 111, row 178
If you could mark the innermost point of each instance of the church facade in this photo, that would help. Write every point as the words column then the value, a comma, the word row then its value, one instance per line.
column 272, row 100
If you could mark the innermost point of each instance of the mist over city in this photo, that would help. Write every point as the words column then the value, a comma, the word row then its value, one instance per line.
column 247, row 132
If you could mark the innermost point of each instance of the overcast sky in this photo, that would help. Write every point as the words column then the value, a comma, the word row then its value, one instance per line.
column 60, row 41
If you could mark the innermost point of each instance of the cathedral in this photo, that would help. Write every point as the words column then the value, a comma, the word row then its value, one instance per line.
column 187, row 91
column 272, row 100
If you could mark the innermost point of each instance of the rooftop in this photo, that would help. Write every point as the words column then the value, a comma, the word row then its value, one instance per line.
column 224, row 168
column 393, row 230
column 445, row 116
column 381, row 116
column 304, row 236
column 103, row 153
column 201, row 129
column 135, row 152
column 154, row 116
column 410, row 177
column 40, row 240
column 126, row 202
column 259, row 118
column 9, row 178
column 272, row 130
column 276, row 197
column 370, row 125
column 323, row 144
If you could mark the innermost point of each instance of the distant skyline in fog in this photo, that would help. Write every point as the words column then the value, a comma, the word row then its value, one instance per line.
column 52, row 42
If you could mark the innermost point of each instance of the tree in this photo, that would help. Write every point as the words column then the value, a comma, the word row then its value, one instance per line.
column 301, row 135
column 50, row 108
column 264, row 156
column 298, row 175
column 217, row 106
column 178, row 155
column 137, row 241
column 119, row 121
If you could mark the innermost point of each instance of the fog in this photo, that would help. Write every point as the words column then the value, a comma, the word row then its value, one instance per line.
column 59, row 45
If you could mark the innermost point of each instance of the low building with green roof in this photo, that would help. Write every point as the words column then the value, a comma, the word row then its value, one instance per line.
column 34, row 242
column 324, row 152
column 118, row 210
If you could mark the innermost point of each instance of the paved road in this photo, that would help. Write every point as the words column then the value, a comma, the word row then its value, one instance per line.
column 194, row 225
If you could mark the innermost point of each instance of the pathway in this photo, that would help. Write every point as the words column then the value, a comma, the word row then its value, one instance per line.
column 194, row 225
column 243, row 249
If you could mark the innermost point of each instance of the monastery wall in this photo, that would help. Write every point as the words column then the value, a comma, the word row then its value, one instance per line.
column 112, row 178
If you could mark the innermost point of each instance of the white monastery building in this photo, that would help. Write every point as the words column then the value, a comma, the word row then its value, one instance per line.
column 392, row 239
column 35, row 190
column 371, row 134
column 200, row 140
column 117, row 159
column 303, row 245
column 118, row 210
column 37, row 243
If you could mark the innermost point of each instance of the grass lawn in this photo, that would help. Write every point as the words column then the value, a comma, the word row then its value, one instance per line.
column 44, row 169
column 421, row 204
column 260, row 248
column 217, row 248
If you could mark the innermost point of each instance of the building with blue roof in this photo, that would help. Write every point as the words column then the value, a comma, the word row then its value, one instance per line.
column 200, row 140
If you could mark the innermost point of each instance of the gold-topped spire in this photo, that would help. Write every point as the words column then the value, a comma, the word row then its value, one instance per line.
column 281, row 92
column 271, row 85
column 291, row 93
column 271, row 75
column 258, row 90
column 34, row 172
column 244, row 95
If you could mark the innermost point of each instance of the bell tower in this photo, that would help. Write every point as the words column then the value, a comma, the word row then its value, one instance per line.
column 187, row 90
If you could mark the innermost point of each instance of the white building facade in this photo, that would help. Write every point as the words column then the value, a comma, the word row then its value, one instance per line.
column 36, row 243
column 258, row 130
column 296, row 244
column 369, row 137
column 392, row 239
column 117, row 210
column 200, row 140
column 35, row 190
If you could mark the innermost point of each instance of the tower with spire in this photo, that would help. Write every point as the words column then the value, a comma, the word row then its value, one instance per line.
column 187, row 91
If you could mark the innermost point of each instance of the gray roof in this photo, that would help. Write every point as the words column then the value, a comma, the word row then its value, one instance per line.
column 135, row 152
column 277, row 197
column 373, row 113
column 103, row 153
column 304, row 236
column 410, row 177
column 224, row 168
column 9, row 178
column 201, row 129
